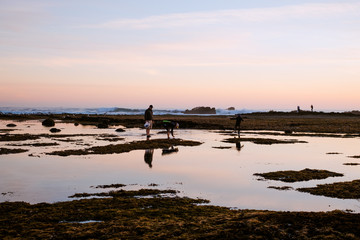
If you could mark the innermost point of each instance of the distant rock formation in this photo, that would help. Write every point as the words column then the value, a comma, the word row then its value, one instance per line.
column 201, row 110
column 48, row 122
column 231, row 108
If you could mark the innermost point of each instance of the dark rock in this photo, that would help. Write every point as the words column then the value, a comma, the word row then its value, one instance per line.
column 231, row 108
column 48, row 122
column 288, row 132
column 76, row 124
column 55, row 130
column 11, row 125
column 201, row 110
column 120, row 130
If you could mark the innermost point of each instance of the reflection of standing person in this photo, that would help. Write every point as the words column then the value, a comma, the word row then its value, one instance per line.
column 169, row 126
column 148, row 120
column 238, row 146
column 148, row 156
column 238, row 119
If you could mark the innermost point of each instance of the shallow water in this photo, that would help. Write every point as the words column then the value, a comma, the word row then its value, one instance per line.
column 223, row 176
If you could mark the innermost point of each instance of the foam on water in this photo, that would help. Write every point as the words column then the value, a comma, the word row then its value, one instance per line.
column 108, row 111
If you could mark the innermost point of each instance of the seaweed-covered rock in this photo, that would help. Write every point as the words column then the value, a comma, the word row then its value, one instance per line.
column 17, row 137
column 11, row 151
column 122, row 214
column 55, row 130
column 127, row 147
column 265, row 141
column 297, row 176
column 201, row 110
column 120, row 130
column 49, row 122
column 342, row 190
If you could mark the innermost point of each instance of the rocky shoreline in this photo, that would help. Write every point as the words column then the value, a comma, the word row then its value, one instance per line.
column 289, row 122
column 143, row 214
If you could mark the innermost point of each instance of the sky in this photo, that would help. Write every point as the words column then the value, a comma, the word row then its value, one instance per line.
column 259, row 54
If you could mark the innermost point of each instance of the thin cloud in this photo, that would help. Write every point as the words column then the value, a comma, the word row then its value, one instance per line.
column 21, row 15
column 238, row 15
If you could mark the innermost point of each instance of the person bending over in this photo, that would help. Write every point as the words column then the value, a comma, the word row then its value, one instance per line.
column 169, row 126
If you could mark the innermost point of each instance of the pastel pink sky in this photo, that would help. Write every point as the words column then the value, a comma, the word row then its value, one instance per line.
column 271, row 55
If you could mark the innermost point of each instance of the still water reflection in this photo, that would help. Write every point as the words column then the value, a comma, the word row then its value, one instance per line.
column 148, row 156
column 218, row 171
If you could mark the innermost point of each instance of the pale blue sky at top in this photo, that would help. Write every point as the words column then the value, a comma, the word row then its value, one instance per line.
column 180, row 54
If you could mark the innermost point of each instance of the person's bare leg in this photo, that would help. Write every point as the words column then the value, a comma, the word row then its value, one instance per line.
column 148, row 129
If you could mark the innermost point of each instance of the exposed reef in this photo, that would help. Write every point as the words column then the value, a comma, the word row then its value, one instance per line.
column 4, row 151
column 264, row 141
column 343, row 190
column 127, row 147
column 18, row 137
column 124, row 193
column 296, row 176
column 127, row 216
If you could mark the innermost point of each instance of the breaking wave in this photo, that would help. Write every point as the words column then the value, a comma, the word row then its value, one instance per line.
column 107, row 111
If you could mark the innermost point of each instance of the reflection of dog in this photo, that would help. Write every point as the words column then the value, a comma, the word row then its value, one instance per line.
column 169, row 150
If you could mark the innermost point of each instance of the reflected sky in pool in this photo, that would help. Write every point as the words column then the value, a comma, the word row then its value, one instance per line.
column 223, row 176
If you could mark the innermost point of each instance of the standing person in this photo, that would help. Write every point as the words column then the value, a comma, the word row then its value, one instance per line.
column 238, row 119
column 148, row 120
column 169, row 126
column 312, row 108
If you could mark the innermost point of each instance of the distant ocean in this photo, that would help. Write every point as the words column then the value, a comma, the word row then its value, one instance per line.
column 109, row 111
